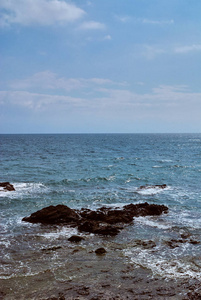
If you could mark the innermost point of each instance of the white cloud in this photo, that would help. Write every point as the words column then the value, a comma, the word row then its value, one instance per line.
column 187, row 49
column 156, row 22
column 50, row 80
column 150, row 52
column 171, row 102
column 38, row 101
column 107, row 37
column 123, row 19
column 91, row 25
column 42, row 12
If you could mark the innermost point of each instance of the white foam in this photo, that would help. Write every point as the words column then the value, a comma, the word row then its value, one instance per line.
column 59, row 233
column 148, row 221
column 167, row 268
column 22, row 188
column 151, row 190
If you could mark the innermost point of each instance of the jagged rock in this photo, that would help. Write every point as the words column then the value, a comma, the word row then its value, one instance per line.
column 100, row 251
column 105, row 221
column 145, row 209
column 145, row 244
column 60, row 214
column 52, row 248
column 98, row 228
column 160, row 186
column 7, row 186
column 172, row 243
column 75, row 239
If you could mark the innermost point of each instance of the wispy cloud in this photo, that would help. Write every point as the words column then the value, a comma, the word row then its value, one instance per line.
column 187, row 49
column 92, row 25
column 157, row 22
column 107, row 37
column 123, row 19
column 40, row 102
column 40, row 12
column 49, row 80
column 159, row 99
column 150, row 52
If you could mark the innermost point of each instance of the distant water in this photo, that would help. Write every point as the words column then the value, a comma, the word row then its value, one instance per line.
column 92, row 170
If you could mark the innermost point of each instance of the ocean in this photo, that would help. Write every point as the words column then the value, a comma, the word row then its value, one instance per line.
column 91, row 171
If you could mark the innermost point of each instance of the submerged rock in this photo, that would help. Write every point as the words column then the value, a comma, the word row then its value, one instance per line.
column 7, row 186
column 104, row 221
column 145, row 187
column 100, row 251
column 99, row 228
column 75, row 239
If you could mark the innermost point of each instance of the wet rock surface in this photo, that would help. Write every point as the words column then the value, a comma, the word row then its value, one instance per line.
column 100, row 251
column 7, row 186
column 173, row 243
column 104, row 221
column 54, row 215
column 75, row 239
column 159, row 186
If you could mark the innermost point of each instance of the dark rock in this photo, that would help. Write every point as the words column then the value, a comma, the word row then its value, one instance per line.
column 84, row 291
column 145, row 187
column 7, row 186
column 145, row 244
column 108, row 215
column 100, row 251
column 75, row 239
column 105, row 221
column 194, row 242
column 98, row 228
column 175, row 243
column 52, row 248
column 145, row 209
column 57, row 215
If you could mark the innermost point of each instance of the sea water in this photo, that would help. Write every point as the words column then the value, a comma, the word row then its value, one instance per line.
column 94, row 170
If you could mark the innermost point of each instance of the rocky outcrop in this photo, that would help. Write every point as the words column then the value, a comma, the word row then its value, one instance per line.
column 159, row 186
column 104, row 221
column 7, row 186
column 60, row 214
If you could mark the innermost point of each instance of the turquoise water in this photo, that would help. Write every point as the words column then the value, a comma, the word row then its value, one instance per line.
column 92, row 170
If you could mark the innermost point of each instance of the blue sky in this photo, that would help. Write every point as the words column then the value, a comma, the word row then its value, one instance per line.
column 100, row 66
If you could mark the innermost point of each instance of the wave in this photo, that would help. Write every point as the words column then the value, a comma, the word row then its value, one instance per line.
column 149, row 221
column 167, row 265
column 167, row 268
column 24, row 188
column 85, row 180
column 58, row 233
column 151, row 190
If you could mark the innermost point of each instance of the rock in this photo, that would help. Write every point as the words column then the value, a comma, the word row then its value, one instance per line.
column 52, row 248
column 145, row 244
column 7, row 186
column 56, row 215
column 104, row 221
column 108, row 215
column 145, row 209
column 100, row 251
column 160, row 186
column 75, row 239
column 98, row 228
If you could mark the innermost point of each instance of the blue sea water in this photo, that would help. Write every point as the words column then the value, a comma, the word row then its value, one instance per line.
column 92, row 170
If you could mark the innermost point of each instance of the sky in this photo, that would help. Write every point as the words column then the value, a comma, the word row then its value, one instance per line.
column 100, row 66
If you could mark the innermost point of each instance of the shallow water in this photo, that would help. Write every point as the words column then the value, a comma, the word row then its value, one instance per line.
column 92, row 171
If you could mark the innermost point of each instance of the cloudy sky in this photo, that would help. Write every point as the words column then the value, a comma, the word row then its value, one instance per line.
column 79, row 66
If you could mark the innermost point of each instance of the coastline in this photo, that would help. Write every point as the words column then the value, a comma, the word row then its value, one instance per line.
column 82, row 274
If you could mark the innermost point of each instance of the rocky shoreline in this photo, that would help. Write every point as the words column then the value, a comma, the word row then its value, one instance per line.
column 93, row 264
